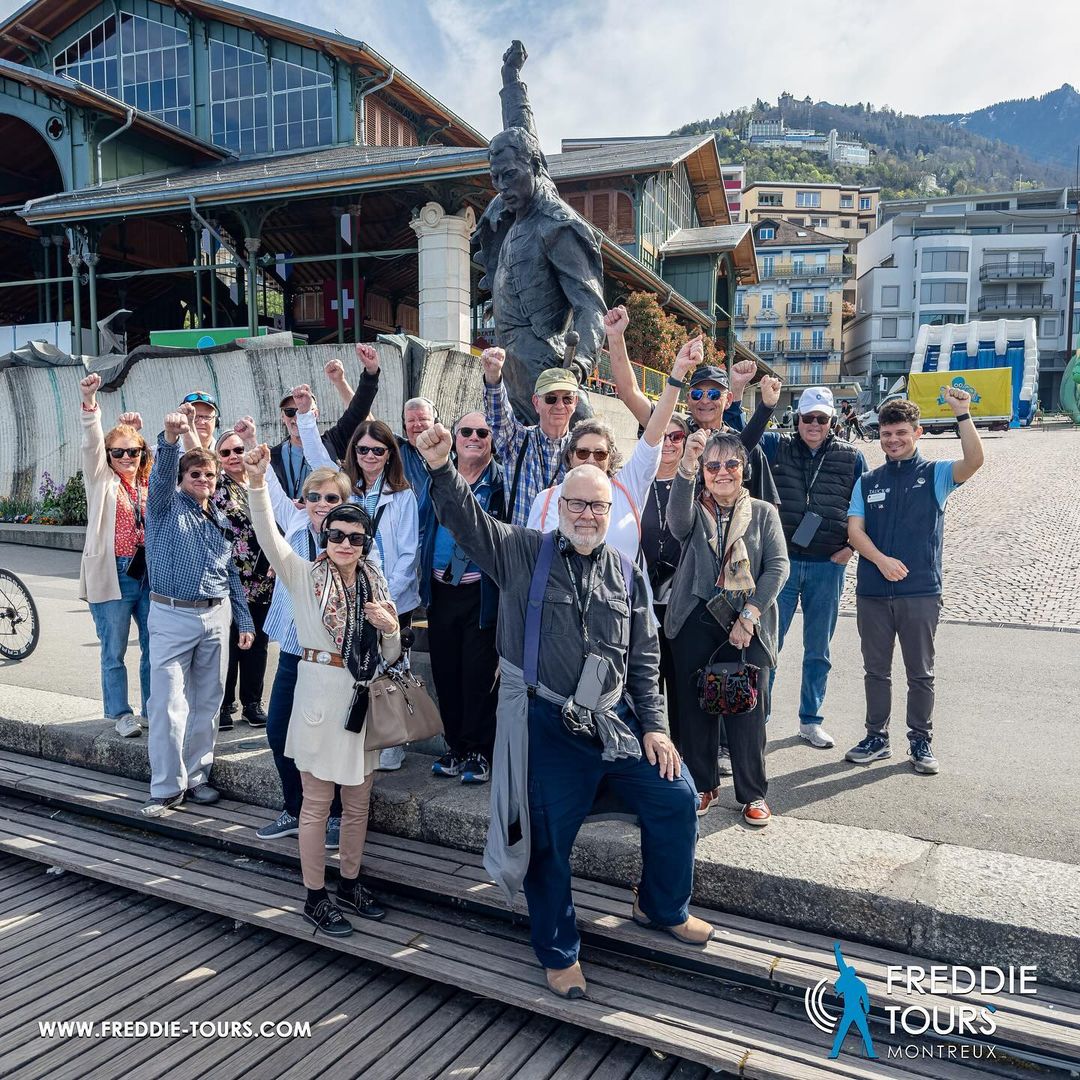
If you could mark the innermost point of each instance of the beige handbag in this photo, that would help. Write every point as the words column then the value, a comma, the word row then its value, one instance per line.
column 399, row 711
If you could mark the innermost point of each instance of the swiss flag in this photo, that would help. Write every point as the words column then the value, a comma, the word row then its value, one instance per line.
column 348, row 301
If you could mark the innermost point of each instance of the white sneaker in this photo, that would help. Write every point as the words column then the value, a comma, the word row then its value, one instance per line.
column 391, row 759
column 723, row 762
column 128, row 727
column 816, row 735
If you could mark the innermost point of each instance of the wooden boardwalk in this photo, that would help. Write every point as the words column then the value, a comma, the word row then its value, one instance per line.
column 209, row 859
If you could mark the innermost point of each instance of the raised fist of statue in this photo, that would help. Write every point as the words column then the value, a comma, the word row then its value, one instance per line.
column 514, row 57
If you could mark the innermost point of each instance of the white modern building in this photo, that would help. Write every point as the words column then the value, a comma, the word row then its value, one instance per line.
column 961, row 258
column 773, row 134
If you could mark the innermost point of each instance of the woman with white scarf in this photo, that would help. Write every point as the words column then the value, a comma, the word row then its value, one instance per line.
column 348, row 627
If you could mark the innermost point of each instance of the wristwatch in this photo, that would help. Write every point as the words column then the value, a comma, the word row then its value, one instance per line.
column 750, row 615
column 677, row 383
column 963, row 416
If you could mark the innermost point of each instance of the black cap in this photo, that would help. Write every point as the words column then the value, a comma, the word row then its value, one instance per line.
column 708, row 373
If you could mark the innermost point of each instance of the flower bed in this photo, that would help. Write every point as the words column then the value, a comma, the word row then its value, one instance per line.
column 57, row 504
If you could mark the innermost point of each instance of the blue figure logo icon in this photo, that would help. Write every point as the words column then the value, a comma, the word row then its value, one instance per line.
column 856, row 998
column 960, row 384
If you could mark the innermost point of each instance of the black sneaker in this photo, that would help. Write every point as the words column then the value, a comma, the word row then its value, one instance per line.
column 922, row 757
column 225, row 720
column 447, row 765
column 361, row 901
column 475, row 770
column 254, row 715
column 872, row 748
column 156, row 807
column 326, row 916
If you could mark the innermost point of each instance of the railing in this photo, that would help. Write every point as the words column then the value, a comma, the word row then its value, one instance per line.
column 1016, row 303
column 741, row 318
column 832, row 268
column 826, row 374
column 648, row 379
column 785, row 348
column 815, row 311
column 999, row 271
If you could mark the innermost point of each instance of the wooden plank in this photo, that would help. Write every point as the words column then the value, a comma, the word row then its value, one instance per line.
column 620, row 1063
column 504, row 1045
column 551, row 1053
column 587, row 1056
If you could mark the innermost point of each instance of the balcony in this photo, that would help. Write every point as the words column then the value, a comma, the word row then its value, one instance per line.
column 796, row 375
column 785, row 348
column 741, row 318
column 802, row 313
column 1020, row 271
column 802, row 271
column 1043, row 302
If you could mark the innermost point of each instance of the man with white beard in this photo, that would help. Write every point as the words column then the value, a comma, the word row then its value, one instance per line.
column 578, row 708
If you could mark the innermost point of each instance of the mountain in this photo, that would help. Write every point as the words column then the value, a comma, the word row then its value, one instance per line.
column 1046, row 128
column 913, row 156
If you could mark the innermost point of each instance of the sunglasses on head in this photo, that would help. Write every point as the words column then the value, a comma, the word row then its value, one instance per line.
column 674, row 436
column 599, row 507
column 815, row 418
column 551, row 399
column 290, row 411
column 730, row 465
column 376, row 451
column 599, row 456
column 479, row 432
column 118, row 452
column 712, row 394
column 237, row 450
column 200, row 398
column 202, row 474
column 353, row 539
column 331, row 499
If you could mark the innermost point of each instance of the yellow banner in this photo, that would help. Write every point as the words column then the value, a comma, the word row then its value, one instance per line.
column 990, row 390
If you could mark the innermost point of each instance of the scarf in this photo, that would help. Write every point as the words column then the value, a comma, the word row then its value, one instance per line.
column 734, row 581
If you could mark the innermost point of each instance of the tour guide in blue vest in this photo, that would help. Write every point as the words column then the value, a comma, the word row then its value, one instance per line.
column 896, row 523
column 815, row 473
column 578, row 708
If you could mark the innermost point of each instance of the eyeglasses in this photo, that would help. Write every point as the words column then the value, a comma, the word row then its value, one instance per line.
column 118, row 452
column 815, row 418
column 713, row 394
column 674, row 436
column 237, row 450
column 599, row 507
column 316, row 496
column 290, row 411
column 732, row 465
column 376, row 451
column 599, row 456
column 201, row 474
column 479, row 432
column 352, row 539
column 566, row 399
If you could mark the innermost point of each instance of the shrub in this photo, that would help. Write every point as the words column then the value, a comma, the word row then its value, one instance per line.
column 654, row 337
column 72, row 502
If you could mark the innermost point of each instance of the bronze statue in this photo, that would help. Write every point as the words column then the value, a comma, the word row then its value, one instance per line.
column 541, row 259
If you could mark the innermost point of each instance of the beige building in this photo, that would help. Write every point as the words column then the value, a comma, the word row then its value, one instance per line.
column 843, row 210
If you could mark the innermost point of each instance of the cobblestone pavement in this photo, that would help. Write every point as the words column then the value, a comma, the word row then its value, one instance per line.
column 1012, row 533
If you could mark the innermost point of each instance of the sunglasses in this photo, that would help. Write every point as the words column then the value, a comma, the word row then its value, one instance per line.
column 316, row 497
column 712, row 394
column 377, row 451
column 566, row 399
column 578, row 506
column 479, row 432
column 815, row 418
column 599, row 456
column 290, row 411
column 197, row 398
column 732, row 465
column 201, row 474
column 674, row 436
column 237, row 450
column 352, row 539
column 118, row 452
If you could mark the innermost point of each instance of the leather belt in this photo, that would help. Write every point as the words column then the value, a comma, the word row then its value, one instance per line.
column 168, row 601
column 322, row 656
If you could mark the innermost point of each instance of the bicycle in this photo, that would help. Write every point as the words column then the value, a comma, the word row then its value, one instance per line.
column 19, row 623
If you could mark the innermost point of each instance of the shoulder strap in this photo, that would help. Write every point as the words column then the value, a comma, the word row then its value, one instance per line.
column 517, row 476
column 628, row 576
column 377, row 518
column 531, row 658
column 633, row 507
column 312, row 550
column 547, row 503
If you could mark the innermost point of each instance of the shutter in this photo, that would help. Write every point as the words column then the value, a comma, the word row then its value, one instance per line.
column 576, row 202
column 624, row 219
column 600, row 210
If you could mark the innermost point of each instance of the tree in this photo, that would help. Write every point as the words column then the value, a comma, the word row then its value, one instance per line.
column 655, row 336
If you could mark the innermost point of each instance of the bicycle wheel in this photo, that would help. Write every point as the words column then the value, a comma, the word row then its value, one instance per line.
column 19, row 625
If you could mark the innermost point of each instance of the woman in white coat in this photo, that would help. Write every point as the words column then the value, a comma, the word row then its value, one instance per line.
column 112, row 575
column 348, row 627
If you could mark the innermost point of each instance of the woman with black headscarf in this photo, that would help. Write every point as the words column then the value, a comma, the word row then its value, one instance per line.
column 348, row 627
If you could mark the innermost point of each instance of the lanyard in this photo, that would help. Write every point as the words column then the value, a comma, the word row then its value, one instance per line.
column 546, row 480
column 813, row 479
column 588, row 586
column 135, row 503
column 661, row 516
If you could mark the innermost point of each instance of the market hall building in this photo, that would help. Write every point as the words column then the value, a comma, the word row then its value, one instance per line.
column 202, row 165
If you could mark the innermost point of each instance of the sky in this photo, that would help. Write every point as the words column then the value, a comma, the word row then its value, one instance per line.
column 626, row 67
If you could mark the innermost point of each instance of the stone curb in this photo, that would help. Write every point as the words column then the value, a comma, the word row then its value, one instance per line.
column 60, row 537
column 944, row 902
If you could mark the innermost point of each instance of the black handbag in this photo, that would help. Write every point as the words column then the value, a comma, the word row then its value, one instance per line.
column 727, row 689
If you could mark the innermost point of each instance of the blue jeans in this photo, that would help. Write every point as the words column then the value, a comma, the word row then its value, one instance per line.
column 819, row 585
column 565, row 772
column 112, row 621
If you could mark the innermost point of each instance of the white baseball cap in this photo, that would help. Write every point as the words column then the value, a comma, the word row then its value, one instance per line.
column 817, row 399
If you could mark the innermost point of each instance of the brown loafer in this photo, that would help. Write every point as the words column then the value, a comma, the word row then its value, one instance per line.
column 566, row 982
column 694, row 931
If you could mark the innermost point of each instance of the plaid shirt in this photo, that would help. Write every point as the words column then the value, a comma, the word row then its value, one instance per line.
column 187, row 552
column 542, row 464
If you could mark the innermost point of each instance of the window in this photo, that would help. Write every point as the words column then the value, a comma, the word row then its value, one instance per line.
column 888, row 328
column 985, row 230
column 940, row 318
column 768, row 263
column 864, row 225
column 819, row 223
column 847, row 202
column 943, row 292
column 740, row 303
column 766, row 232
column 817, row 372
column 770, row 198
column 817, row 339
column 992, row 205
column 864, row 202
column 942, row 259
column 1048, row 327
column 796, row 302
column 810, row 199
column 239, row 118
column 795, row 340
column 766, row 301
column 890, row 295
column 765, row 341
column 820, row 303
column 303, row 106
column 845, row 223
column 794, row 374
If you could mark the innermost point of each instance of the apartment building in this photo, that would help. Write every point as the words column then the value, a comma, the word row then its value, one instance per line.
column 843, row 210
column 793, row 318
column 957, row 258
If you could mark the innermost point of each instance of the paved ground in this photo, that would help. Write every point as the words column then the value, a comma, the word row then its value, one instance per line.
column 1007, row 696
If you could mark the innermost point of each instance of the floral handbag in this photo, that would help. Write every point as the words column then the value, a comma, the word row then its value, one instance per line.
column 727, row 689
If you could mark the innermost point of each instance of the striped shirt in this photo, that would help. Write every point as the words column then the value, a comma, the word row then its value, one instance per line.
column 541, row 461
column 280, row 626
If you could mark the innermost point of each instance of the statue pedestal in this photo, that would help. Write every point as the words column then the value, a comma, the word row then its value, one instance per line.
column 445, row 280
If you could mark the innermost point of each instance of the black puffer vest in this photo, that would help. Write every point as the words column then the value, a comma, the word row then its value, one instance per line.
column 794, row 470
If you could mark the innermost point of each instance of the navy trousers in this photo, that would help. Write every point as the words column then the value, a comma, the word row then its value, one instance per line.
column 565, row 773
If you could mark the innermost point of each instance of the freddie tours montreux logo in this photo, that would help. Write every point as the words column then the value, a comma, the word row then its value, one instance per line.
column 969, row 1022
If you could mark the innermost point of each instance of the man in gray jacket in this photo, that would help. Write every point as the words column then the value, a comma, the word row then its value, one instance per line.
column 578, row 709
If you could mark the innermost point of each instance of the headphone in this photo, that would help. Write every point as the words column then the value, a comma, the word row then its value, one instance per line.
column 421, row 401
column 354, row 515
